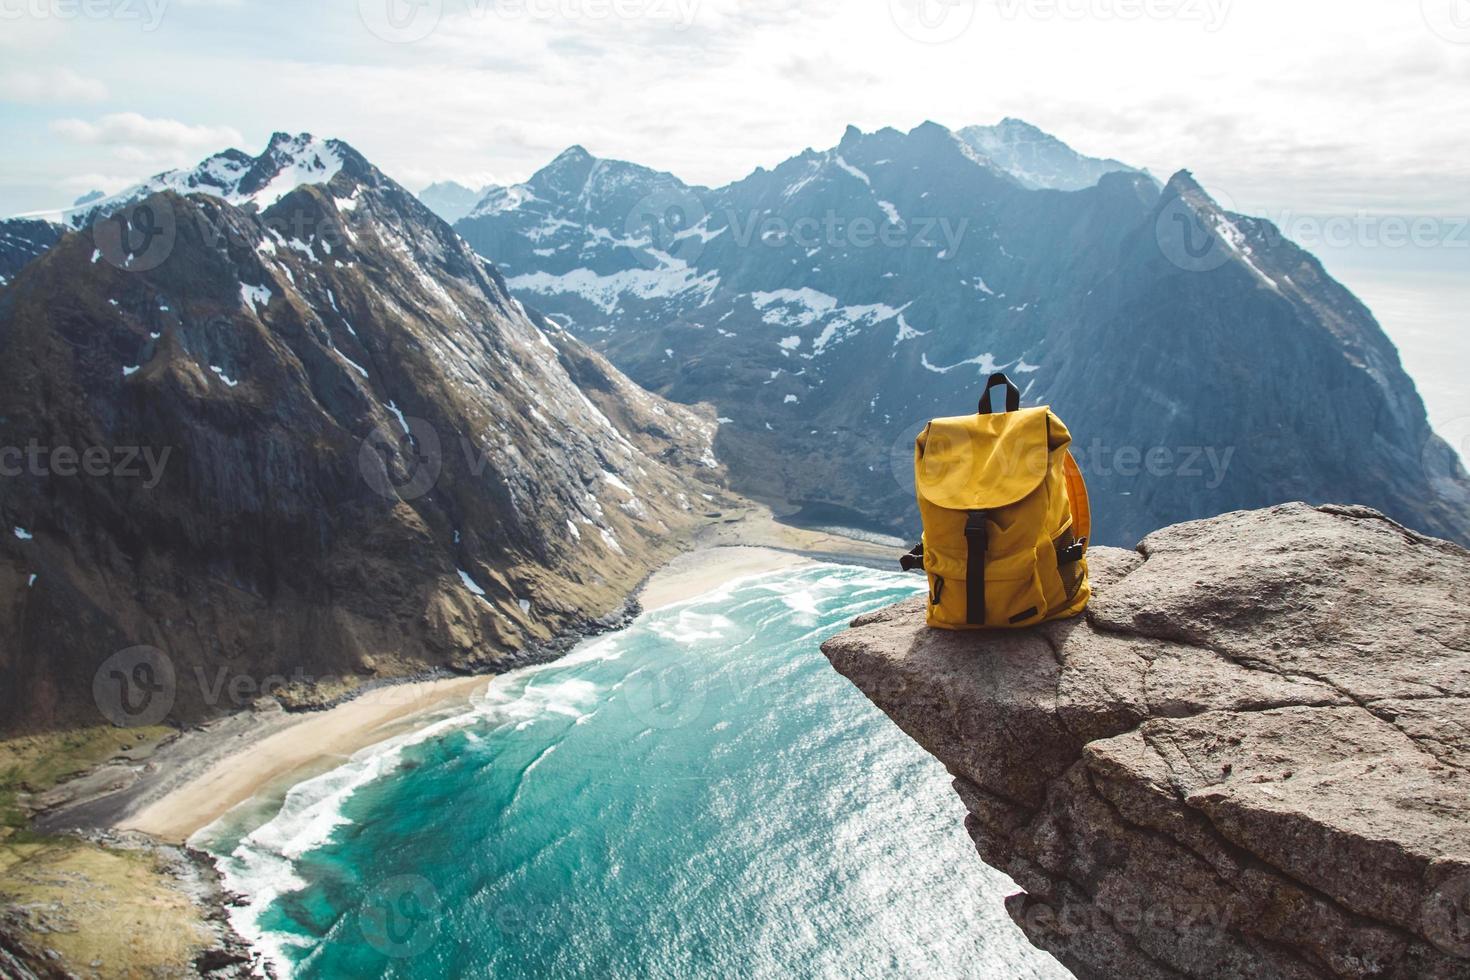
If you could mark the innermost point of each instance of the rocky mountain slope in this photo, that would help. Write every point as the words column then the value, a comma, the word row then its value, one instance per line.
column 289, row 430
column 831, row 306
column 1251, row 758
column 23, row 239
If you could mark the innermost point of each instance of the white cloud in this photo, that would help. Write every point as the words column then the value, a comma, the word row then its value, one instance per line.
column 133, row 131
column 49, row 85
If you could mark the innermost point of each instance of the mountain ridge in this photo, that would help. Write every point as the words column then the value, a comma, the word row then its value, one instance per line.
column 832, row 304
column 375, row 461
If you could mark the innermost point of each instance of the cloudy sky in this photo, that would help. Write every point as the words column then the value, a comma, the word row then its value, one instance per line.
column 1285, row 109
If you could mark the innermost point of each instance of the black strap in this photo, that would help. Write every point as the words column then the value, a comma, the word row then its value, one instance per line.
column 1013, row 394
column 914, row 559
column 976, row 541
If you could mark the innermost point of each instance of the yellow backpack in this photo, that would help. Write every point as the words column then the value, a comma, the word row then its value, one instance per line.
column 1006, row 517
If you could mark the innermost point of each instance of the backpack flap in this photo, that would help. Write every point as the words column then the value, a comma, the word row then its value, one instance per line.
column 982, row 462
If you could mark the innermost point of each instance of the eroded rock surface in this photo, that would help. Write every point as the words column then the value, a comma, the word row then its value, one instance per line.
column 1248, row 759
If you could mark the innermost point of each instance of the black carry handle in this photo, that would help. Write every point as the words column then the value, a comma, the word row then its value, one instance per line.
column 1013, row 394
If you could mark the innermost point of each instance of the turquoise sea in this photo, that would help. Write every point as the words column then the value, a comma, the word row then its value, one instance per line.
column 699, row 795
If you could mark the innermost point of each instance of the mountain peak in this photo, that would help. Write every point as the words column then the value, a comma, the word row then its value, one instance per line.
column 279, row 138
column 1184, row 187
column 574, row 153
column 288, row 162
column 1183, row 183
column 1036, row 158
column 1010, row 124
column 929, row 128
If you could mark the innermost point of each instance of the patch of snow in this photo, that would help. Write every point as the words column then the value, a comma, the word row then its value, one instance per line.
column 672, row 278
column 790, row 400
column 470, row 583
column 986, row 363
column 849, row 168
column 1236, row 240
column 399, row 416
column 351, row 363
column 907, row 332
column 309, row 161
column 254, row 297
column 222, row 376
column 128, row 372
column 23, row 534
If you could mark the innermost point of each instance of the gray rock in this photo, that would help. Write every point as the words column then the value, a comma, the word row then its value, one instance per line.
column 1248, row 759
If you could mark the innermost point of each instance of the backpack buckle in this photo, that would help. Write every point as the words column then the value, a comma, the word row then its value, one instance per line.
column 976, row 524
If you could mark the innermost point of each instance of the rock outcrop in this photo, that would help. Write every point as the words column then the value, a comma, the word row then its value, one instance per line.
column 1249, row 758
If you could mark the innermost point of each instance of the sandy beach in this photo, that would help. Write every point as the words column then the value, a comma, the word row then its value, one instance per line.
column 696, row 572
column 294, row 743
column 206, row 773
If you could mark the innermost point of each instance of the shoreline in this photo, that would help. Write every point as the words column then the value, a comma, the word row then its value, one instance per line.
column 195, row 778
column 155, row 790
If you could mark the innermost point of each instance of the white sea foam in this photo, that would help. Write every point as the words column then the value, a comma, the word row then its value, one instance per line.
column 267, row 864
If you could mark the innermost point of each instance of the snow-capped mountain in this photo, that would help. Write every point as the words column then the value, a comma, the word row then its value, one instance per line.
column 830, row 306
column 287, row 163
column 450, row 199
column 354, row 454
column 1036, row 158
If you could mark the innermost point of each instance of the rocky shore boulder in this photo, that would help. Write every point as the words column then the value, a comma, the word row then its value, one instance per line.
column 1249, row 758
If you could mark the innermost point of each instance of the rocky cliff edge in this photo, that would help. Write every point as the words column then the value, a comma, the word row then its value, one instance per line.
column 1249, row 758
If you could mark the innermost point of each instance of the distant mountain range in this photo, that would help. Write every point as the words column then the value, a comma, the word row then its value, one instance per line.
column 828, row 307
column 451, row 200
column 291, row 426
